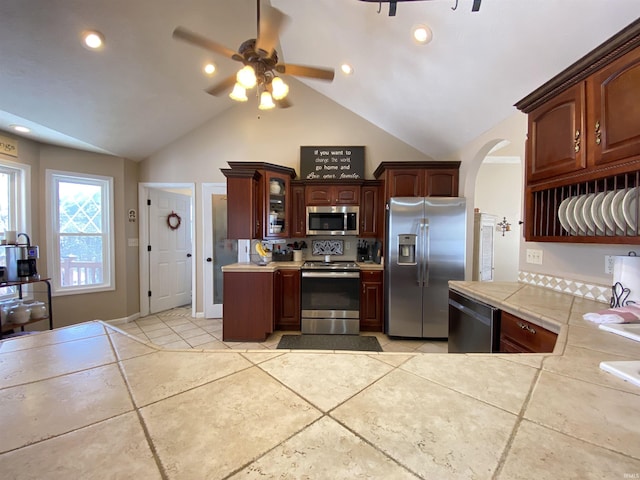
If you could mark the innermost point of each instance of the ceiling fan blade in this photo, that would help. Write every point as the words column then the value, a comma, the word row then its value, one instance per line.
column 221, row 87
column 181, row 33
column 270, row 23
column 305, row 71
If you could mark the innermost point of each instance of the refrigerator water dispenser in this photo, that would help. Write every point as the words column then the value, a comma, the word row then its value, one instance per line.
column 407, row 249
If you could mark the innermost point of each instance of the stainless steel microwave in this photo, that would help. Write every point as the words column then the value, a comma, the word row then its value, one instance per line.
column 336, row 220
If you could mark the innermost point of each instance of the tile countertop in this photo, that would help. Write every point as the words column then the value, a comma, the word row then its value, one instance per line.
column 90, row 401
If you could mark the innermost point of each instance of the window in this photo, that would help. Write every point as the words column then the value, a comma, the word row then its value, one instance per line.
column 80, row 235
column 14, row 205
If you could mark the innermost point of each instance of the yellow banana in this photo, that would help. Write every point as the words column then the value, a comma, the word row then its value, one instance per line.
column 260, row 249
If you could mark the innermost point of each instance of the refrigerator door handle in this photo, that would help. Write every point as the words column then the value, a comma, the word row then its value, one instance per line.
column 426, row 255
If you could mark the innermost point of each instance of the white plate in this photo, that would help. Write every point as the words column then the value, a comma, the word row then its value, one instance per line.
column 630, row 209
column 579, row 216
column 571, row 218
column 596, row 213
column 590, row 224
column 606, row 214
column 616, row 210
column 562, row 214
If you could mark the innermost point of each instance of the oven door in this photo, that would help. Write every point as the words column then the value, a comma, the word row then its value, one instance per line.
column 330, row 302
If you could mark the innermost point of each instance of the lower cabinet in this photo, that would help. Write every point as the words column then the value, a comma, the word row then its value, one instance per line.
column 287, row 300
column 519, row 336
column 248, row 313
column 371, row 301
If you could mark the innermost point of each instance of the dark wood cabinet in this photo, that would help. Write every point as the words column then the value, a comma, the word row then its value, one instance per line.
column 258, row 200
column 332, row 194
column 298, row 211
column 287, row 300
column 371, row 210
column 556, row 143
column 419, row 179
column 371, row 301
column 584, row 143
column 613, row 121
column 520, row 336
column 248, row 314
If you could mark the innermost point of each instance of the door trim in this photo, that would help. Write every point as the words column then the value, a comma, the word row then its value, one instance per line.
column 209, row 189
column 143, row 234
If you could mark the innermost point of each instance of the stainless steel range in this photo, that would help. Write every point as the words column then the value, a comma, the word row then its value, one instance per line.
column 330, row 298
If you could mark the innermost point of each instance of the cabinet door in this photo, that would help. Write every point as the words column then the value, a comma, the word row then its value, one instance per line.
column 405, row 183
column 441, row 183
column 298, row 212
column 371, row 295
column 247, row 321
column 346, row 195
column 556, row 136
column 613, row 123
column 244, row 206
column 318, row 195
column 370, row 212
column 288, row 314
column 276, row 218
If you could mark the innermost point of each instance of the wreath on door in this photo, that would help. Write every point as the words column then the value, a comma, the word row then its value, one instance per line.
column 174, row 221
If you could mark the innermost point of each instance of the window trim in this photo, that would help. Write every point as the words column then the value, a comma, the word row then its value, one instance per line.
column 22, row 200
column 53, row 242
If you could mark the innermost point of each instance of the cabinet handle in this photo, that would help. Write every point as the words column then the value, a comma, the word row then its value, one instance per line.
column 526, row 327
column 576, row 142
column 598, row 133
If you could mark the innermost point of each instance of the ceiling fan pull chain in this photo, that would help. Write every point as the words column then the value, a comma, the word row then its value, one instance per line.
column 379, row 6
column 455, row 7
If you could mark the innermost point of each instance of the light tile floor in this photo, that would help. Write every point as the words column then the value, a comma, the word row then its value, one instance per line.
column 177, row 329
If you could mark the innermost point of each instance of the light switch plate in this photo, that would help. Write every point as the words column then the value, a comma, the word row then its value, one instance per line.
column 534, row 256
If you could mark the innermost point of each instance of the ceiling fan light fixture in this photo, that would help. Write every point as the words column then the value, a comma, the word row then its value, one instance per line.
column 247, row 77
column 266, row 101
column 279, row 88
column 239, row 93
column 422, row 34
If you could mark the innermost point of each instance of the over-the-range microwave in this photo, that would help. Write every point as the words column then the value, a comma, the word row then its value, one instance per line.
column 335, row 220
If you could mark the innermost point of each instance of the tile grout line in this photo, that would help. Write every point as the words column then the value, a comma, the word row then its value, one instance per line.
column 143, row 425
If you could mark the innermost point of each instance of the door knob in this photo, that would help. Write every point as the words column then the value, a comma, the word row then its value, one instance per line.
column 209, row 259
column 188, row 255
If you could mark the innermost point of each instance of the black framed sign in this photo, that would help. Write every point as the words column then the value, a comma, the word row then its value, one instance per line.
column 332, row 163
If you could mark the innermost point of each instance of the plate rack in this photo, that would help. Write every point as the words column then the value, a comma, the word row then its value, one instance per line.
column 604, row 210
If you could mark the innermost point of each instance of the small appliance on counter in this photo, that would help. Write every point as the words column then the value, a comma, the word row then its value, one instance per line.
column 21, row 261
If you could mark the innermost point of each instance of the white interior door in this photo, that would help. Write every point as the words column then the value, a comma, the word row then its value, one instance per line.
column 170, row 255
column 218, row 250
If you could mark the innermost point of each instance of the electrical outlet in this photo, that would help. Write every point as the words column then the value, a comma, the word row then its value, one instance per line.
column 534, row 256
column 609, row 260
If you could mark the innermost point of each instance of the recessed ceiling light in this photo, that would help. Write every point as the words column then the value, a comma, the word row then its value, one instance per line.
column 422, row 34
column 20, row 128
column 209, row 69
column 92, row 39
column 346, row 69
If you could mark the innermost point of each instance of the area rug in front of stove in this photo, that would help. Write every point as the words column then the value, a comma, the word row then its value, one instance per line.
column 330, row 342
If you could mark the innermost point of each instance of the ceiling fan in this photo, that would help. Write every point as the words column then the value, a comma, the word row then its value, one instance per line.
column 260, row 60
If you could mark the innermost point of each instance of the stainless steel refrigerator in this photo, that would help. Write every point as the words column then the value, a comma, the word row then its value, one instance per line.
column 425, row 248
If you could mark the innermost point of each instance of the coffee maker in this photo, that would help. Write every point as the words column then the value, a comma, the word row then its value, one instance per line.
column 21, row 261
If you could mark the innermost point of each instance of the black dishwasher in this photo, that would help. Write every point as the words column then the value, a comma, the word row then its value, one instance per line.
column 474, row 327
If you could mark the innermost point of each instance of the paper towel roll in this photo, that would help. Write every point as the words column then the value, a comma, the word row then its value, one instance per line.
column 626, row 270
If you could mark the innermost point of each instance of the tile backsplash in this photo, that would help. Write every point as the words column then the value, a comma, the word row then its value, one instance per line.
column 591, row 291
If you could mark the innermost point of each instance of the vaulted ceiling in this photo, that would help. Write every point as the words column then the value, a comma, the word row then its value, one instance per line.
column 145, row 89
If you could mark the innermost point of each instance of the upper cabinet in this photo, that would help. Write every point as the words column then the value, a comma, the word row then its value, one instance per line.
column 419, row 179
column 259, row 203
column 332, row 194
column 298, row 210
column 371, row 210
column 583, row 148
